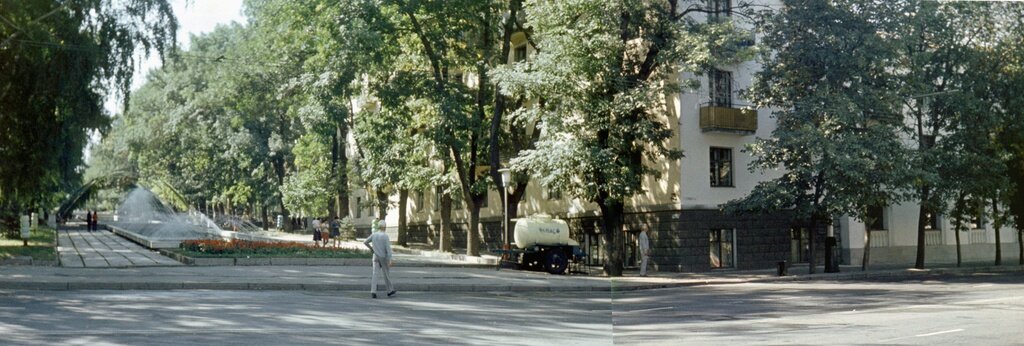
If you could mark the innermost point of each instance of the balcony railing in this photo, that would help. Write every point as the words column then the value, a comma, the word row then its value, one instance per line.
column 879, row 238
column 978, row 236
column 728, row 120
column 933, row 237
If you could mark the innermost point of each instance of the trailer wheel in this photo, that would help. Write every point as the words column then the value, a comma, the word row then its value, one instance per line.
column 556, row 262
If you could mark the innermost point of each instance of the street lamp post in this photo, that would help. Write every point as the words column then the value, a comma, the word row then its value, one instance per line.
column 506, row 176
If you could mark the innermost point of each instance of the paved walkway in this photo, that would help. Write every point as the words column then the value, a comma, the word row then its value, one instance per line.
column 79, row 248
column 103, row 249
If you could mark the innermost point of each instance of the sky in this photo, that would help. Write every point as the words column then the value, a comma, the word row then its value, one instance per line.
column 194, row 17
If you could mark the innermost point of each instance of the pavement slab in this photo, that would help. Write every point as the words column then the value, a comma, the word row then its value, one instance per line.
column 104, row 249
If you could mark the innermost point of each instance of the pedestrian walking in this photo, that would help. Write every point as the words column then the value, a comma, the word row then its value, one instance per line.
column 316, row 232
column 335, row 231
column 325, row 232
column 95, row 220
column 380, row 244
column 645, row 251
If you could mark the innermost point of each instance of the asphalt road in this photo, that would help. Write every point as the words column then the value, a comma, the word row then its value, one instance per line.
column 984, row 309
column 981, row 309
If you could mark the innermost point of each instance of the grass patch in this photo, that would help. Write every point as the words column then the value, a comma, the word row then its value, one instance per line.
column 261, row 249
column 41, row 245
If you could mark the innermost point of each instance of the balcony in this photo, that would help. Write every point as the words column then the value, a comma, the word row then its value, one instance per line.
column 728, row 120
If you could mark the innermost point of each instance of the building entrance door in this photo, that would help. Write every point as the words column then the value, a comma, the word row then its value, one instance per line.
column 632, row 248
column 799, row 246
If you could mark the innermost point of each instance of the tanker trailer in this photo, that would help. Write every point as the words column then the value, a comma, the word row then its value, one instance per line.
column 543, row 243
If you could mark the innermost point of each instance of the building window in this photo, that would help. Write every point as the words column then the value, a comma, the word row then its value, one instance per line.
column 720, row 85
column 928, row 141
column 976, row 219
column 719, row 8
column 438, row 191
column 723, row 242
column 931, row 220
column 876, row 218
column 721, row 167
column 359, row 207
column 799, row 245
column 519, row 54
column 419, row 200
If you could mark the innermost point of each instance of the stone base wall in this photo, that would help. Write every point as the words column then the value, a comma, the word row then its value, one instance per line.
column 430, row 234
column 680, row 239
column 933, row 254
column 761, row 241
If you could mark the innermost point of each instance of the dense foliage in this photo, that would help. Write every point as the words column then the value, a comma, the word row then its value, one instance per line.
column 58, row 62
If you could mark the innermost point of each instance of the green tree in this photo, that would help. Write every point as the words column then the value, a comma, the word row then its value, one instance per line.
column 936, row 47
column 837, row 135
column 1008, row 85
column 600, row 79
column 58, row 61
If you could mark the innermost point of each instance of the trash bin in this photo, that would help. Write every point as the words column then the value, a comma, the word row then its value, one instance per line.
column 782, row 268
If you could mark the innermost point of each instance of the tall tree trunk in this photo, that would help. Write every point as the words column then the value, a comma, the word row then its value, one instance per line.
column 279, row 170
column 998, row 224
column 812, row 263
column 382, row 203
column 1020, row 246
column 958, row 255
column 339, row 206
column 611, row 236
column 867, row 245
column 403, row 222
column 473, row 233
column 958, row 223
column 925, row 196
column 266, row 220
column 445, row 234
column 514, row 196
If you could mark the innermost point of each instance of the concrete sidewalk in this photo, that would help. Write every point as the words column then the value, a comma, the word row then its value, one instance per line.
column 409, row 278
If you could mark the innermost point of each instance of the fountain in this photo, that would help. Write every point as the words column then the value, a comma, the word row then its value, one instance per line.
column 145, row 219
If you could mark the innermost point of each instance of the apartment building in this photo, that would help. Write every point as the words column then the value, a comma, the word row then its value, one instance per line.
column 681, row 210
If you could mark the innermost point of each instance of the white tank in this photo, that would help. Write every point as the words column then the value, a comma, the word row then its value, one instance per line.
column 541, row 229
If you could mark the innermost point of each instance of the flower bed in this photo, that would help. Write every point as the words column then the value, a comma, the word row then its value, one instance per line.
column 248, row 248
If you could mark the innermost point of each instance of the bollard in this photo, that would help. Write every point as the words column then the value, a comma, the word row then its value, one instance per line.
column 782, row 268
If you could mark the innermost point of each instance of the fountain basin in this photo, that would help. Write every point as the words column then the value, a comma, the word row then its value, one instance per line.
column 148, row 235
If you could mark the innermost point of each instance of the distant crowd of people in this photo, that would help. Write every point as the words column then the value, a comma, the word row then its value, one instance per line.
column 91, row 220
column 324, row 231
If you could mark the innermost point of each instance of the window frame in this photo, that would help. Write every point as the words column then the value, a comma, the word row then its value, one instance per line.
column 932, row 221
column 881, row 220
column 731, row 255
column 719, row 8
column 520, row 48
column 438, row 191
column 720, row 88
column 716, row 166
column 359, row 207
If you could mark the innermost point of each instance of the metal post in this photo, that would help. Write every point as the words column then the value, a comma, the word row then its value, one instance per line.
column 830, row 247
column 506, row 177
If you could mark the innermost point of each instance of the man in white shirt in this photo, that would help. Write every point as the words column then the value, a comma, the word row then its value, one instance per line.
column 380, row 244
column 645, row 251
